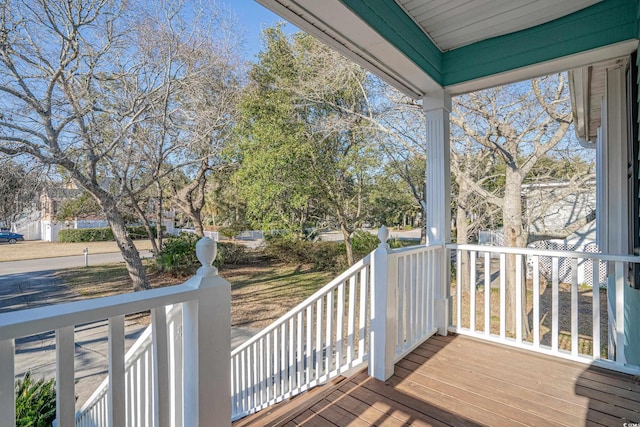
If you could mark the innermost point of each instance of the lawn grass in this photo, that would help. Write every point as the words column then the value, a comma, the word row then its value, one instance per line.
column 109, row 279
column 261, row 291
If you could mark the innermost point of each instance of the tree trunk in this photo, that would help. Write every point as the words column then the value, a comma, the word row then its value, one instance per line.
column 147, row 227
column 346, row 234
column 145, row 223
column 127, row 248
column 514, row 236
column 191, row 199
column 197, row 222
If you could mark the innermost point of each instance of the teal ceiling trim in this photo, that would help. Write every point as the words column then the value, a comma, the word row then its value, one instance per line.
column 605, row 23
column 392, row 23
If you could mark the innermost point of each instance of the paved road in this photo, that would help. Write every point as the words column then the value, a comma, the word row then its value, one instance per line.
column 33, row 283
column 45, row 264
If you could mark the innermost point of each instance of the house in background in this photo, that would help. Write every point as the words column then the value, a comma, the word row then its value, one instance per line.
column 559, row 208
column 43, row 222
column 51, row 200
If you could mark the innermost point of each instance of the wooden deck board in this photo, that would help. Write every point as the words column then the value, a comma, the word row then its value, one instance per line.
column 461, row 381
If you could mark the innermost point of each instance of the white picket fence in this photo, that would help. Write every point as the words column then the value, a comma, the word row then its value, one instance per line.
column 570, row 309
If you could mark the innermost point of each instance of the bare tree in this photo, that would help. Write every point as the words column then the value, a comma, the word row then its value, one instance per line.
column 82, row 90
column 19, row 186
column 519, row 125
column 473, row 212
column 193, row 121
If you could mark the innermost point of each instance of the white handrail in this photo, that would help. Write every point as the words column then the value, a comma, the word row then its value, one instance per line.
column 546, row 252
column 415, row 249
column 36, row 320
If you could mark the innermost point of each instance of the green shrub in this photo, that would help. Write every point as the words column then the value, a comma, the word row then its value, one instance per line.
column 103, row 234
column 231, row 231
column 230, row 254
column 85, row 235
column 363, row 243
column 178, row 255
column 35, row 402
column 321, row 255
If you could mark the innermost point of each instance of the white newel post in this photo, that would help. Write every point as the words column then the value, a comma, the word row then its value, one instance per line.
column 384, row 316
column 207, row 345
column 437, row 107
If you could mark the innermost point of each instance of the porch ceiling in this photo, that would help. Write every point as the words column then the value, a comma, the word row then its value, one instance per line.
column 420, row 46
column 451, row 24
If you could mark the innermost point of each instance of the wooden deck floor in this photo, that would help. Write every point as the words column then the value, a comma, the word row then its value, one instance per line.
column 460, row 381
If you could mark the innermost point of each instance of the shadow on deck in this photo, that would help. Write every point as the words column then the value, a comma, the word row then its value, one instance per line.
column 461, row 381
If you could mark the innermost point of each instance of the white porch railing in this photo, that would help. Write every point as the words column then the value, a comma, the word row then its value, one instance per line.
column 136, row 396
column 321, row 338
column 403, row 302
column 139, row 369
column 556, row 312
column 414, row 279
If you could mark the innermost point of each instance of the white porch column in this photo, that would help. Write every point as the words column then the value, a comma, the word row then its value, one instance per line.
column 437, row 107
column 613, row 234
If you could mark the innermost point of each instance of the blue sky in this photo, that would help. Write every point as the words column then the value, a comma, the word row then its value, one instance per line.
column 252, row 18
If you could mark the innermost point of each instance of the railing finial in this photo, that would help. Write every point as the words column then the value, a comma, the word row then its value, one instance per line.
column 383, row 236
column 206, row 251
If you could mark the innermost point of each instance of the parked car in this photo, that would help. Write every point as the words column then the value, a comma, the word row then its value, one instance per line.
column 8, row 237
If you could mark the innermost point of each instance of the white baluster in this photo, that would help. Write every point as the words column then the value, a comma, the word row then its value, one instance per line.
column 65, row 384
column 7, row 390
column 117, row 381
column 161, row 383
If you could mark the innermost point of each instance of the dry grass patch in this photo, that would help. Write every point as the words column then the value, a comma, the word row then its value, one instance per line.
column 109, row 279
column 261, row 291
column 35, row 249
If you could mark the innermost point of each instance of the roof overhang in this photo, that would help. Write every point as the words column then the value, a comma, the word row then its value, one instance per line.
column 545, row 68
column 336, row 25
column 383, row 36
column 588, row 88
